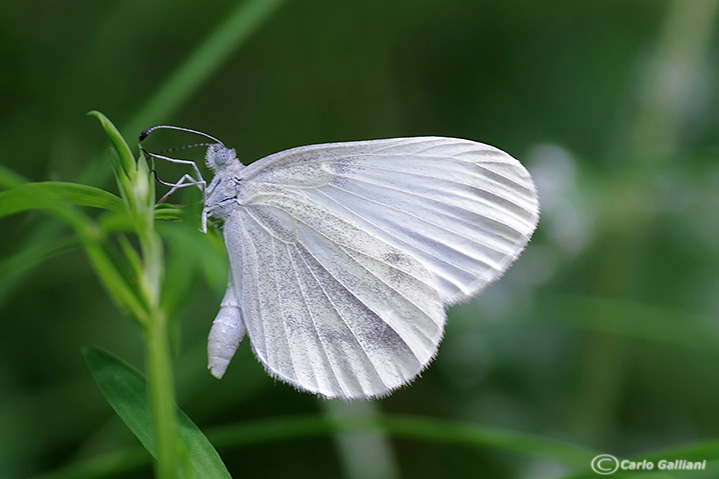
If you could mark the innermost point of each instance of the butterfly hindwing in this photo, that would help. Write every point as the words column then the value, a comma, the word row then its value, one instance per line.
column 332, row 309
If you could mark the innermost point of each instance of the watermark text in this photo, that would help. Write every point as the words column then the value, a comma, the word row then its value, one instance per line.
column 606, row 464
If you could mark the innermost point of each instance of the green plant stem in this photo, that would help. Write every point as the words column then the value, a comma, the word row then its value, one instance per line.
column 159, row 360
column 162, row 401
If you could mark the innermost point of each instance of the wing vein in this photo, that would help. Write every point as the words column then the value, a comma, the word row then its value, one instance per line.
column 498, row 200
column 419, row 219
column 310, row 314
column 336, row 309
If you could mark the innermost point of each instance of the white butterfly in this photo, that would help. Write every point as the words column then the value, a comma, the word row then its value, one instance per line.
column 344, row 256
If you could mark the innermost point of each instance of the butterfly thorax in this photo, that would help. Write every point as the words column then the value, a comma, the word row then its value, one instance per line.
column 225, row 190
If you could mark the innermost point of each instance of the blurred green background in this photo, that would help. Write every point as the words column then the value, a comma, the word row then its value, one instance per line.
column 602, row 336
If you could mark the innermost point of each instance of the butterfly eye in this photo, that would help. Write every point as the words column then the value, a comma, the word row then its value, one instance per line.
column 218, row 156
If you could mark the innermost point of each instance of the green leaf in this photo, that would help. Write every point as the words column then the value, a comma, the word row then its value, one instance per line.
column 47, row 194
column 58, row 199
column 167, row 212
column 9, row 178
column 127, row 160
column 122, row 291
column 126, row 391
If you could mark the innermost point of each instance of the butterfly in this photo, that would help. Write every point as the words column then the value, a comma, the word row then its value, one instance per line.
column 345, row 256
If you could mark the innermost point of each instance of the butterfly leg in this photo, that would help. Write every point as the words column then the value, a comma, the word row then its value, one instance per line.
column 185, row 181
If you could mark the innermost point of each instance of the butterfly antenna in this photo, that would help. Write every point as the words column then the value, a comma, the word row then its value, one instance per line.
column 185, row 147
column 146, row 132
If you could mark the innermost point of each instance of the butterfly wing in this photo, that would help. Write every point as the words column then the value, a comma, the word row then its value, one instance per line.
column 328, row 307
column 345, row 255
column 464, row 209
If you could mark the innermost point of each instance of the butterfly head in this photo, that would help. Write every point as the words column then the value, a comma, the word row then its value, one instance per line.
column 218, row 156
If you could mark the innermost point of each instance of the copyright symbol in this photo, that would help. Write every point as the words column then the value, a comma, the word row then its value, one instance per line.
column 605, row 464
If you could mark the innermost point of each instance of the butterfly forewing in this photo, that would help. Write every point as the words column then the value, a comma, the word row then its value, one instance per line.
column 464, row 209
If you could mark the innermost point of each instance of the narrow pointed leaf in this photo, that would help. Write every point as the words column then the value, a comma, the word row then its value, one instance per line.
column 48, row 194
column 126, row 391
column 127, row 160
